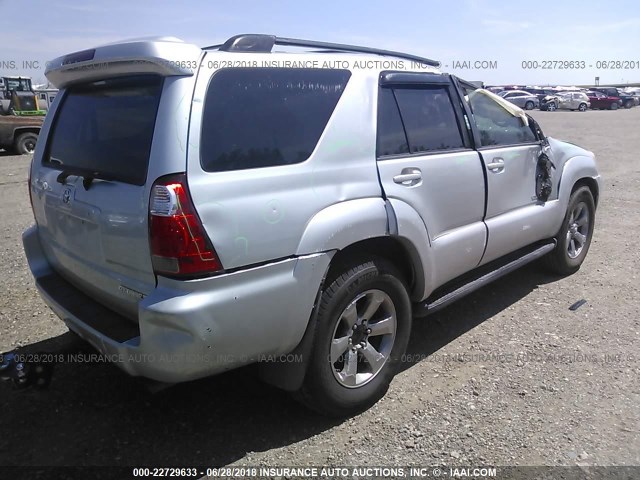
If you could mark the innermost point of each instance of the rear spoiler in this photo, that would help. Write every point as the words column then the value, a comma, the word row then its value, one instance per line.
column 166, row 56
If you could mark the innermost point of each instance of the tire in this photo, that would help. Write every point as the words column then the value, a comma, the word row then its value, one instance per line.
column 330, row 387
column 26, row 143
column 614, row 106
column 628, row 104
column 582, row 107
column 551, row 107
column 571, row 250
column 528, row 106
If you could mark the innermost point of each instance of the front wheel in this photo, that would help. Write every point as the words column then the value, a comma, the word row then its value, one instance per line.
column 614, row 106
column 551, row 107
column 362, row 331
column 583, row 107
column 574, row 237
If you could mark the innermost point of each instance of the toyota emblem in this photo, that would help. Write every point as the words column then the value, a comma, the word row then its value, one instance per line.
column 66, row 195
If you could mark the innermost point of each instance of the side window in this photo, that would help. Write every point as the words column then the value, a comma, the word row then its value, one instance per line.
column 391, row 137
column 496, row 125
column 429, row 119
column 262, row 117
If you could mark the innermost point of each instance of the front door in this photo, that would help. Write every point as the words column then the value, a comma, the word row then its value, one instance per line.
column 510, row 150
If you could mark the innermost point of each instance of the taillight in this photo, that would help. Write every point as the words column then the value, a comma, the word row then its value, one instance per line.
column 179, row 245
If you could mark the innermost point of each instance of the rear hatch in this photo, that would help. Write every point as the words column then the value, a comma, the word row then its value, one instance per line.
column 91, row 197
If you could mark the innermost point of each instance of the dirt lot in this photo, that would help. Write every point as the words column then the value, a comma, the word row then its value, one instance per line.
column 556, row 387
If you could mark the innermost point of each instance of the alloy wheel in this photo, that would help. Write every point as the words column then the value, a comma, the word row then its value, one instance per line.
column 578, row 230
column 363, row 338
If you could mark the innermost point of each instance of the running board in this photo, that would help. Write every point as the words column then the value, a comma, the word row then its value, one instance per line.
column 447, row 297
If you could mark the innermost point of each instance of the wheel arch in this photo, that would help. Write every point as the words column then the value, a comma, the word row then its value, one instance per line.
column 592, row 184
column 340, row 229
column 577, row 171
column 20, row 130
column 400, row 253
column 582, row 170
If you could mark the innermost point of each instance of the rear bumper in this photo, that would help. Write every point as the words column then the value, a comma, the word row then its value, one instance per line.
column 192, row 329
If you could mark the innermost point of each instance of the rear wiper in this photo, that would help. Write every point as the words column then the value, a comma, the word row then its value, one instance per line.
column 87, row 176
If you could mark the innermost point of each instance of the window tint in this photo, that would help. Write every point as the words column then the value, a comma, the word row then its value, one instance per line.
column 496, row 125
column 429, row 119
column 107, row 127
column 391, row 137
column 260, row 117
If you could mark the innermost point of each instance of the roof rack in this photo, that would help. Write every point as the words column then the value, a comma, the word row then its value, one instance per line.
column 261, row 43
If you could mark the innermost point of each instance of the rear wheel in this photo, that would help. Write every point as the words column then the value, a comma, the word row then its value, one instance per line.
column 614, row 106
column 528, row 106
column 363, row 327
column 582, row 107
column 26, row 143
column 574, row 237
column 628, row 104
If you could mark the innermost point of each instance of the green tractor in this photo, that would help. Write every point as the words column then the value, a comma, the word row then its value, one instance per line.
column 17, row 97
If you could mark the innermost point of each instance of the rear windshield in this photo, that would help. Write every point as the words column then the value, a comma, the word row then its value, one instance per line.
column 261, row 117
column 105, row 128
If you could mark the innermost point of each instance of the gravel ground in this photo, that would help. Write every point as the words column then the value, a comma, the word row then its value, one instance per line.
column 508, row 376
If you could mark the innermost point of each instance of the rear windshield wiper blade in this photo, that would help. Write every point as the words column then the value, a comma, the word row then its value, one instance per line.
column 87, row 176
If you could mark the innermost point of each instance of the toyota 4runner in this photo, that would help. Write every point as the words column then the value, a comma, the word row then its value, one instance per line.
column 285, row 202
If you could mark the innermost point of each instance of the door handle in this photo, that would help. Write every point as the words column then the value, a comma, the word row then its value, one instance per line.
column 409, row 177
column 497, row 165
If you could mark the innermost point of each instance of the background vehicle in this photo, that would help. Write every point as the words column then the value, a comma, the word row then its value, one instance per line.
column 540, row 92
column 521, row 98
column 19, row 134
column 45, row 97
column 601, row 101
column 302, row 211
column 17, row 97
column 566, row 101
column 628, row 101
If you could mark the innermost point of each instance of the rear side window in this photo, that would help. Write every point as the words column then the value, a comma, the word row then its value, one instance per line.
column 429, row 119
column 262, row 117
column 106, row 128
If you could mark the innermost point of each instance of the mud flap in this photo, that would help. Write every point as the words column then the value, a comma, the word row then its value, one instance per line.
column 288, row 371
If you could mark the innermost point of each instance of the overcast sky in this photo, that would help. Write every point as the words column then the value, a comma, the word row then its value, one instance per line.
column 454, row 32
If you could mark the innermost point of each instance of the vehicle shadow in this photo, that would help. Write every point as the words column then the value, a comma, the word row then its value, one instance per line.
column 433, row 332
column 93, row 414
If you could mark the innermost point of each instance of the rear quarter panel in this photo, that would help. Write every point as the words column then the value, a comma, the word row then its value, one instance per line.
column 262, row 214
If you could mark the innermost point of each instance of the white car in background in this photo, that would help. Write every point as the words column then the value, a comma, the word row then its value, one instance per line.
column 566, row 101
column 522, row 99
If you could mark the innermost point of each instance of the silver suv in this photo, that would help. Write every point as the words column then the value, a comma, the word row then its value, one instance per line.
column 285, row 202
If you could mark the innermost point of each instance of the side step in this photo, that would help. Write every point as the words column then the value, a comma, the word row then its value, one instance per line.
column 481, row 277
